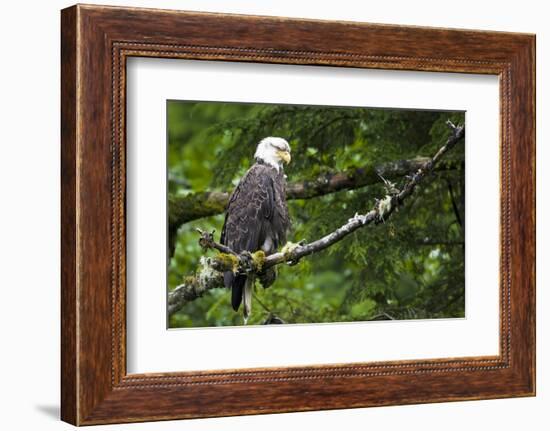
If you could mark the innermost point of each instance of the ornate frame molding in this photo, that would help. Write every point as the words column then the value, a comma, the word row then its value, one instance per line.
column 96, row 41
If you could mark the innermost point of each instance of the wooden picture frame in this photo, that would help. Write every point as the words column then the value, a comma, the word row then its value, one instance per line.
column 95, row 43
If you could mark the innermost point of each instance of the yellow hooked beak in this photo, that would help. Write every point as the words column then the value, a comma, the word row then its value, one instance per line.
column 284, row 156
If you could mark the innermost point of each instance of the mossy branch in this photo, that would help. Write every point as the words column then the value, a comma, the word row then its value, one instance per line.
column 210, row 272
column 184, row 209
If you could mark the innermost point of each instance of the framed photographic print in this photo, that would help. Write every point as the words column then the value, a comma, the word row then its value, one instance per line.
column 348, row 158
column 330, row 214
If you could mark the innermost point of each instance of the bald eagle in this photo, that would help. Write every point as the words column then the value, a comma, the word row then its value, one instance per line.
column 257, row 216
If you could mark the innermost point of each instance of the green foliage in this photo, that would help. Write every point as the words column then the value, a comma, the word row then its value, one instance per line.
column 410, row 267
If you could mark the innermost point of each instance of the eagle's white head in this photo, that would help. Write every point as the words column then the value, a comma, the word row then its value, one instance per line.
column 273, row 151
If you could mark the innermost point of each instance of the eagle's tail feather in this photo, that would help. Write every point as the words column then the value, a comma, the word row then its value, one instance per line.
column 237, row 284
column 247, row 297
column 228, row 278
column 241, row 291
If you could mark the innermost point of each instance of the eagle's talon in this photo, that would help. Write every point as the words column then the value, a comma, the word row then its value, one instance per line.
column 247, row 260
column 246, row 255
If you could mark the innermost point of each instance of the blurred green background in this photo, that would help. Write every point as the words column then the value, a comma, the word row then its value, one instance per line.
column 410, row 267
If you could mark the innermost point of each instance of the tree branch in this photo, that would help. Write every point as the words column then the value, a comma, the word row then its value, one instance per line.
column 210, row 272
column 183, row 209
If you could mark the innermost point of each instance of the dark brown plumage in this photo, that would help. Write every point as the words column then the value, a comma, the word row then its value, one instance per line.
column 256, row 219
